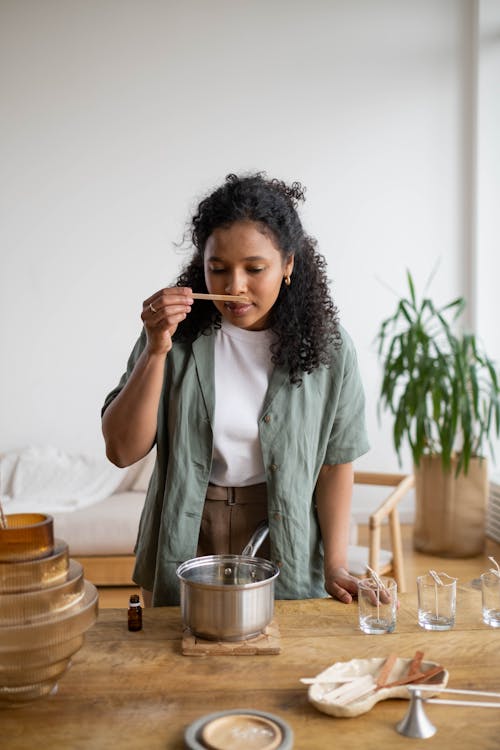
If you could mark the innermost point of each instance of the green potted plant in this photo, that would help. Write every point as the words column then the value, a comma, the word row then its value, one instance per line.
column 442, row 391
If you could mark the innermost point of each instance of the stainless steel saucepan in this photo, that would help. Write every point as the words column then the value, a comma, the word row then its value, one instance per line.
column 228, row 597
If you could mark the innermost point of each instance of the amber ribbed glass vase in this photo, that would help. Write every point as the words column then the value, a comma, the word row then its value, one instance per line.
column 28, row 536
column 46, row 606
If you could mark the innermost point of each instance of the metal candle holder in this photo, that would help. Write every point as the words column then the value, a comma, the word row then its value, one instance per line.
column 416, row 724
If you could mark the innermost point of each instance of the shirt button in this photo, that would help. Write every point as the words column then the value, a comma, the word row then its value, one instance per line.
column 274, row 467
column 279, row 563
column 267, row 418
column 277, row 517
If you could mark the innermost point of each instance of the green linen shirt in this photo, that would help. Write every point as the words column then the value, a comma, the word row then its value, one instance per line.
column 300, row 430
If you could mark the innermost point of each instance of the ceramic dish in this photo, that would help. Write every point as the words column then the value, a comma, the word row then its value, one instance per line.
column 251, row 730
column 335, row 675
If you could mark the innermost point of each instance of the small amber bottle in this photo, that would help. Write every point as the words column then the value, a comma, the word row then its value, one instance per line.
column 134, row 613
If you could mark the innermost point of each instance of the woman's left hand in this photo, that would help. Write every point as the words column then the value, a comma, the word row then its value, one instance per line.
column 341, row 585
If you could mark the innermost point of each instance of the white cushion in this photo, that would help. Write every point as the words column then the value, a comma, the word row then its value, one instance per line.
column 357, row 559
column 106, row 528
column 46, row 479
column 141, row 481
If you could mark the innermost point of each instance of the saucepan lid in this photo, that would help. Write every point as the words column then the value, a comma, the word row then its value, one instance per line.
column 219, row 571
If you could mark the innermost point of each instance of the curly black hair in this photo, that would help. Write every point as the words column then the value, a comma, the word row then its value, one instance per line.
column 304, row 316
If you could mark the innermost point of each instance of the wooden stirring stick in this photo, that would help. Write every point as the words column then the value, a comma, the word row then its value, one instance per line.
column 220, row 297
column 415, row 663
column 416, row 677
column 386, row 670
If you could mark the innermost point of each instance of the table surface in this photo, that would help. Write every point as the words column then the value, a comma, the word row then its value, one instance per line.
column 136, row 690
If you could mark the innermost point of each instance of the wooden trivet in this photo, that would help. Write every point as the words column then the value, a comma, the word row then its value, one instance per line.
column 268, row 642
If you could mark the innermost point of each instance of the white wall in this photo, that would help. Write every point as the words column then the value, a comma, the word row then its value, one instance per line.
column 118, row 115
column 488, row 185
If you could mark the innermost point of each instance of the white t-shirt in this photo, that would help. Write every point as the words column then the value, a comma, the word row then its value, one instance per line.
column 242, row 370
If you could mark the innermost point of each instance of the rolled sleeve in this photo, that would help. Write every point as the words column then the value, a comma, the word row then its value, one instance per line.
column 348, row 438
column 132, row 360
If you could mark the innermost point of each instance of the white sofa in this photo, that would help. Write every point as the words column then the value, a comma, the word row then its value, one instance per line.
column 101, row 533
column 102, row 536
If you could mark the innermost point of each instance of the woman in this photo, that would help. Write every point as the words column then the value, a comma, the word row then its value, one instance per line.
column 255, row 404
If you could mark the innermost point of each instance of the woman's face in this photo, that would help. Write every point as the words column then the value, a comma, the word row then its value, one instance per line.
column 243, row 260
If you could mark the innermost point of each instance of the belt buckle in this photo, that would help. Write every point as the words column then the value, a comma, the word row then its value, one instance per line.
column 231, row 499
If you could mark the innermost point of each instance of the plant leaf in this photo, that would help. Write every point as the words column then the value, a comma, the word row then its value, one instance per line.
column 440, row 387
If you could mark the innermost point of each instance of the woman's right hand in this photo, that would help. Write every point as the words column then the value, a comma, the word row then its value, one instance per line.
column 130, row 422
column 162, row 313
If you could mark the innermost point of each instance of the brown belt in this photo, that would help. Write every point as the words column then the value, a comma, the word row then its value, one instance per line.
column 254, row 493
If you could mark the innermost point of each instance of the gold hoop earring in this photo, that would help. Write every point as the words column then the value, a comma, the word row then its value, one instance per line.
column 288, row 280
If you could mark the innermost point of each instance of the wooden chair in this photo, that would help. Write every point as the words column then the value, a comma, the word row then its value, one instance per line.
column 383, row 562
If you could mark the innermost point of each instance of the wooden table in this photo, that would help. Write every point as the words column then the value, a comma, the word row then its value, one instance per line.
column 137, row 690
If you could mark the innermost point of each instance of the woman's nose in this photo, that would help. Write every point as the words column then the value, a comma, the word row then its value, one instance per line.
column 236, row 284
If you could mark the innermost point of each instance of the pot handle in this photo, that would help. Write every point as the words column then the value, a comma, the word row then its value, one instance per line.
column 256, row 539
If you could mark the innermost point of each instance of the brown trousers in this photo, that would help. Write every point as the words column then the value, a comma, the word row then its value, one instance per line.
column 230, row 516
